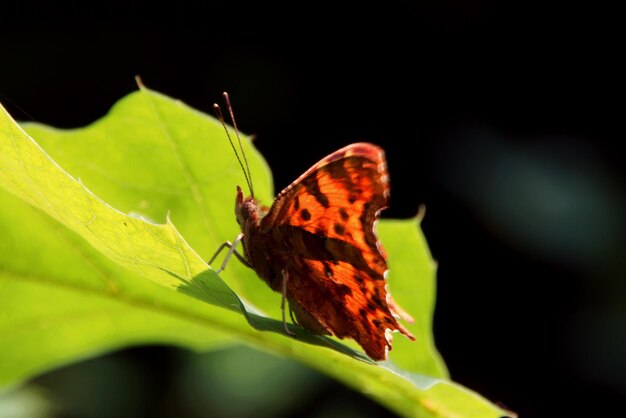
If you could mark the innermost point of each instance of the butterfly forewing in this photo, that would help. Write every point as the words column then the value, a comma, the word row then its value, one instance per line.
column 322, row 227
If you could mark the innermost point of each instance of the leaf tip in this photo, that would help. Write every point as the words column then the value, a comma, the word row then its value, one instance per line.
column 421, row 213
column 139, row 82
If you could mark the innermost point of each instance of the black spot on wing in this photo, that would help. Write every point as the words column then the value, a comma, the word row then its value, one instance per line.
column 305, row 214
column 363, row 313
column 313, row 187
column 338, row 171
column 328, row 270
column 377, row 300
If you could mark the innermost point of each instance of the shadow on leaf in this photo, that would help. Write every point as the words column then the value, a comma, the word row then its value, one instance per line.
column 210, row 288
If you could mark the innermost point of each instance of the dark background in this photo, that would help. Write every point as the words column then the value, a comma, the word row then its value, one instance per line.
column 500, row 117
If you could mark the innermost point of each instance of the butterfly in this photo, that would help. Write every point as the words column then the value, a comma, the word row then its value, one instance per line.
column 317, row 246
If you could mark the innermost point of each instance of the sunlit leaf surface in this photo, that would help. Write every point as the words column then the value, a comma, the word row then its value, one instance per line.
column 105, row 230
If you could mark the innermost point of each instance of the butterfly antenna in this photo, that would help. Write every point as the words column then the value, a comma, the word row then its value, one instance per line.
column 220, row 116
column 245, row 160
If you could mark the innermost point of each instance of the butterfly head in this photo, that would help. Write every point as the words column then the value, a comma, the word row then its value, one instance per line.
column 246, row 209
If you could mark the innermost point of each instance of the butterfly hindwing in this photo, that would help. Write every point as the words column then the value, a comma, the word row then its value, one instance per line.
column 335, row 264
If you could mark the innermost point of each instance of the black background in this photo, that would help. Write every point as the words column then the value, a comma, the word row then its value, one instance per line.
column 500, row 117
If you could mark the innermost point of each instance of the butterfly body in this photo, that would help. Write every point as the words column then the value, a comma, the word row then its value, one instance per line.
column 317, row 245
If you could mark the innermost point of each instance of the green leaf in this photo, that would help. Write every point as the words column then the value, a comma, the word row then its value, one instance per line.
column 90, row 265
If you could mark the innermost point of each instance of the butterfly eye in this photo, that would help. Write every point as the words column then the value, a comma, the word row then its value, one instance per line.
column 246, row 211
column 241, row 215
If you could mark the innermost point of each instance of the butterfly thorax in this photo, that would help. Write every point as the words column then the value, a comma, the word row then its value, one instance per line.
column 256, row 242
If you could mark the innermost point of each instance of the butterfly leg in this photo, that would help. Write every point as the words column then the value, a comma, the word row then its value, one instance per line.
column 292, row 316
column 231, row 251
column 282, row 304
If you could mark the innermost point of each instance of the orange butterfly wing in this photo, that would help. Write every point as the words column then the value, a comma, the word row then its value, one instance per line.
column 336, row 267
